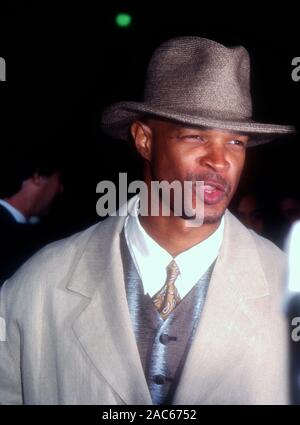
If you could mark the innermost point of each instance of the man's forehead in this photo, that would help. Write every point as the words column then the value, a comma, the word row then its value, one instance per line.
column 179, row 126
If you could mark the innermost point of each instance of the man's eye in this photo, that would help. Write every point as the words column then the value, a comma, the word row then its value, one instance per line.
column 237, row 143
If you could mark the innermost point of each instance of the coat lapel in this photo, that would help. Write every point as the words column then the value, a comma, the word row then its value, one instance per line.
column 103, row 326
column 231, row 315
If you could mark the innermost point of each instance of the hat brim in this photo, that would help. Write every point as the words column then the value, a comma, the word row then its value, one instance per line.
column 117, row 119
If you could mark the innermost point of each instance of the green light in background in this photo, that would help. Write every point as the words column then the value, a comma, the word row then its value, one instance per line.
column 123, row 20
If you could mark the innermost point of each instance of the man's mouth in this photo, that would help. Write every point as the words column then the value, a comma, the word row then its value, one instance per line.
column 214, row 188
column 214, row 192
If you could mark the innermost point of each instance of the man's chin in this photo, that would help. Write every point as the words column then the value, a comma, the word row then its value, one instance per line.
column 210, row 217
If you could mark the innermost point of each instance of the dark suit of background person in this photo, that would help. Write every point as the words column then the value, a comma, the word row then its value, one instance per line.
column 16, row 243
column 27, row 190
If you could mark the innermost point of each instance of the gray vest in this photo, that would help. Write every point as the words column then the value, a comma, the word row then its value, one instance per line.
column 163, row 345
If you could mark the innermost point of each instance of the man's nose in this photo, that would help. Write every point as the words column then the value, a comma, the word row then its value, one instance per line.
column 215, row 158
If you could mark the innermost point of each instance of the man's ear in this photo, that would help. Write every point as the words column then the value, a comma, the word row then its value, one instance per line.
column 36, row 179
column 142, row 136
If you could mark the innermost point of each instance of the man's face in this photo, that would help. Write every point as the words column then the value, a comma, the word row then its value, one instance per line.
column 181, row 153
column 49, row 188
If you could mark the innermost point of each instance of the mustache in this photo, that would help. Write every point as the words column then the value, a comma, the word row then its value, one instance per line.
column 210, row 177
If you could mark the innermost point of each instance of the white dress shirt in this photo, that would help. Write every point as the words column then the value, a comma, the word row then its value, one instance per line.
column 17, row 215
column 151, row 259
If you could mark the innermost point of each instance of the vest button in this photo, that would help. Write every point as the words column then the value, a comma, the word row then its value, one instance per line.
column 164, row 338
column 159, row 379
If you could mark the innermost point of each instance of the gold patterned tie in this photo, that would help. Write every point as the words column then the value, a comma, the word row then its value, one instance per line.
column 167, row 298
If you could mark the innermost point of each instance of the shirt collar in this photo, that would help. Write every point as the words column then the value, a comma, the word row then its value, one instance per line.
column 17, row 215
column 151, row 259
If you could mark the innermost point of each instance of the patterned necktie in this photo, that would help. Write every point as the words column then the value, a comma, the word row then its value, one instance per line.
column 167, row 298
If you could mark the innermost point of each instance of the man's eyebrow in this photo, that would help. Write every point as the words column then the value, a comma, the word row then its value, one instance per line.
column 230, row 135
column 191, row 127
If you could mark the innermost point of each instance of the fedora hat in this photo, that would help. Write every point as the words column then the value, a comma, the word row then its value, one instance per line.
column 196, row 82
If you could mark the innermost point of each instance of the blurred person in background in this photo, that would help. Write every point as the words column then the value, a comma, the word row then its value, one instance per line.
column 30, row 182
column 250, row 212
column 289, row 208
column 287, row 212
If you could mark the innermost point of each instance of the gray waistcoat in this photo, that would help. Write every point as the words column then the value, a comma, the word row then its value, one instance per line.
column 163, row 345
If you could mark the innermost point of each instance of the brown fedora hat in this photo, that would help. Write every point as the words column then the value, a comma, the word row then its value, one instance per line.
column 197, row 82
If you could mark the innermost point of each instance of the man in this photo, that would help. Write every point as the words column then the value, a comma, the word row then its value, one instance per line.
column 151, row 309
column 27, row 191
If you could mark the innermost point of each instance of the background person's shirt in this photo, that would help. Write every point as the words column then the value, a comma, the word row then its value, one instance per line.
column 16, row 214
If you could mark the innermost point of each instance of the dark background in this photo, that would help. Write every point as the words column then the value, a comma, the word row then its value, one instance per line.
column 66, row 62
